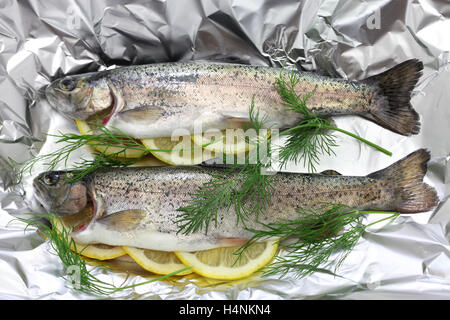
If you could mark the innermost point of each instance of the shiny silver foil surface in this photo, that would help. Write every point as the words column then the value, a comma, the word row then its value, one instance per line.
column 408, row 258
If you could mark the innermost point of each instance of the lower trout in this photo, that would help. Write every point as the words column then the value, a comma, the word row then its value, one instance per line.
column 138, row 206
column 149, row 101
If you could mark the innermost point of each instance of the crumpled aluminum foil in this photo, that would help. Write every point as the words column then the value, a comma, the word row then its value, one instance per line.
column 41, row 40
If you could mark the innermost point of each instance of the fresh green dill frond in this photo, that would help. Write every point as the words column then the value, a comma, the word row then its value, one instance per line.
column 244, row 188
column 207, row 201
column 102, row 137
column 254, row 195
column 70, row 142
column 256, row 121
column 83, row 167
column 65, row 248
column 312, row 137
column 311, row 240
column 291, row 99
column 308, row 143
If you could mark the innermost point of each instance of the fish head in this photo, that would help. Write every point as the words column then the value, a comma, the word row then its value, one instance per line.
column 59, row 195
column 80, row 96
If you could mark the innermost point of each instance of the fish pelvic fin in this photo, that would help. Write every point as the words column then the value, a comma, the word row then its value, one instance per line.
column 141, row 114
column 391, row 107
column 404, row 179
column 123, row 220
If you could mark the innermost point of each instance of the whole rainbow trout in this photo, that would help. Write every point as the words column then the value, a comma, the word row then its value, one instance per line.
column 139, row 206
column 148, row 101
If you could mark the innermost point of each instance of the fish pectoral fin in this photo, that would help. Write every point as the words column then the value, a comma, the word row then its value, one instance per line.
column 123, row 220
column 331, row 173
column 141, row 114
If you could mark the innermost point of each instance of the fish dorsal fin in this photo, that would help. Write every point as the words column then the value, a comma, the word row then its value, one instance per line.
column 123, row 220
column 141, row 114
column 331, row 173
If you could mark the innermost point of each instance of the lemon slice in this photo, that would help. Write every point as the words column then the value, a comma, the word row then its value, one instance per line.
column 99, row 251
column 84, row 128
column 230, row 141
column 220, row 263
column 184, row 151
column 234, row 145
column 160, row 262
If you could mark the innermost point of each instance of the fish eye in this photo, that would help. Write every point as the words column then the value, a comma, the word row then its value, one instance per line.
column 51, row 179
column 67, row 84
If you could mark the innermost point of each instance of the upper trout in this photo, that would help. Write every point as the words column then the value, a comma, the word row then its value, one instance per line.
column 138, row 206
column 148, row 101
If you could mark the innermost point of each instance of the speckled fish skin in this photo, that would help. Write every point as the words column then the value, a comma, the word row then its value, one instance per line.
column 154, row 100
column 216, row 93
column 152, row 195
column 161, row 191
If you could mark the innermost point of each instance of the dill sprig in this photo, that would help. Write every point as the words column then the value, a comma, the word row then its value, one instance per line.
column 308, row 142
column 241, row 187
column 314, row 237
column 113, row 143
column 244, row 190
column 66, row 249
column 83, row 167
column 71, row 142
column 211, row 197
column 312, row 137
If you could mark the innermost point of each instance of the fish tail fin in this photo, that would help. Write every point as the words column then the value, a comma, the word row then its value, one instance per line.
column 392, row 108
column 404, row 180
